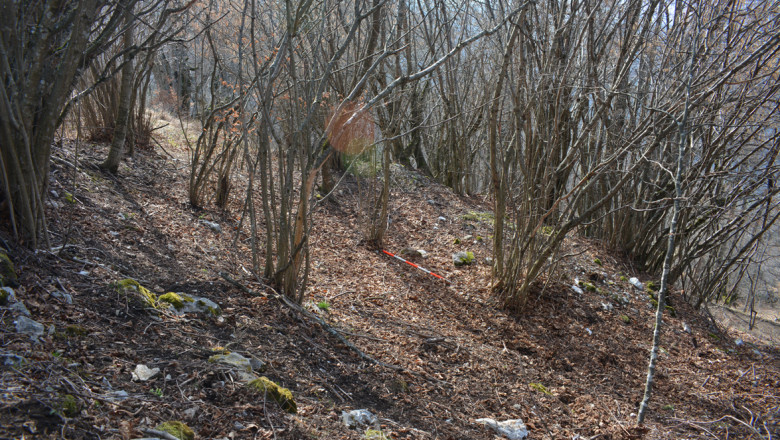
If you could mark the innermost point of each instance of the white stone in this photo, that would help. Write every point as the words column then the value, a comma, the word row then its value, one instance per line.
column 513, row 429
column 636, row 283
column 27, row 326
column 143, row 373
column 214, row 226
column 232, row 359
column 358, row 418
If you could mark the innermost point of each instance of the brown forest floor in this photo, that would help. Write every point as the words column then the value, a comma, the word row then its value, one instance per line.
column 464, row 356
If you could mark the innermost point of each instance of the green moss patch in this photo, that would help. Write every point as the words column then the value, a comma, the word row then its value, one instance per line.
column 70, row 406
column 282, row 396
column 373, row 434
column 129, row 285
column 7, row 272
column 474, row 216
column 76, row 331
column 177, row 429
column 463, row 258
column 175, row 299
column 539, row 387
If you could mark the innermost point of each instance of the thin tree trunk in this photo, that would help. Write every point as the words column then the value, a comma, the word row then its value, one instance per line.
column 498, row 178
column 670, row 246
column 111, row 163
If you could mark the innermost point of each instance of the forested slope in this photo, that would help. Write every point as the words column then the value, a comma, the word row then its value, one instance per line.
column 571, row 366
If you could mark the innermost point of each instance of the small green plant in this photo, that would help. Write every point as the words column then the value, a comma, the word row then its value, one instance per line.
column 70, row 406
column 324, row 306
column 625, row 319
column 597, row 261
column 69, row 198
column 652, row 286
column 623, row 278
column 373, row 434
column 156, row 391
column 547, row 230
column 668, row 407
column 539, row 387
column 457, row 241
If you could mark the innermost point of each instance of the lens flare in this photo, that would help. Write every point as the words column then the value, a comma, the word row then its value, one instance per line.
column 352, row 130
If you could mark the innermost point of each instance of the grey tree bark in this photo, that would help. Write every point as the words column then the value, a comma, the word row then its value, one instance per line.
column 682, row 139
column 42, row 47
column 111, row 164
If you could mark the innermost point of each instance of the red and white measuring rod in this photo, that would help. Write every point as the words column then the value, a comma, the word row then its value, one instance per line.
column 419, row 267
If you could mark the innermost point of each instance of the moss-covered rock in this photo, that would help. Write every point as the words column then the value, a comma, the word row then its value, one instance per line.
column 462, row 258
column 175, row 299
column 129, row 285
column 232, row 359
column 211, row 307
column 282, row 396
column 7, row 272
column 177, row 429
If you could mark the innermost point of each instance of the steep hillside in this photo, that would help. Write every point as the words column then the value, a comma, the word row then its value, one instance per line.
column 571, row 367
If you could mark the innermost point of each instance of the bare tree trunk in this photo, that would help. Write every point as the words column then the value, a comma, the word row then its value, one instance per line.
column 37, row 78
column 682, row 125
column 498, row 178
column 111, row 164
